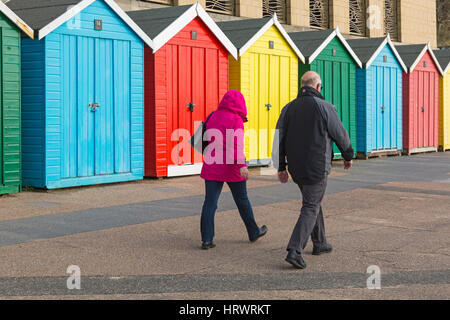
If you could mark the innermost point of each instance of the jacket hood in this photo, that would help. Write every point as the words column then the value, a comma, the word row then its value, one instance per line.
column 234, row 101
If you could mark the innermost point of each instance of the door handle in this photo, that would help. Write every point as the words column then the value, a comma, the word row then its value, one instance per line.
column 268, row 106
column 94, row 106
column 191, row 106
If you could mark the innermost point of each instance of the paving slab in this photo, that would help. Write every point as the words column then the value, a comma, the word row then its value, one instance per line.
column 142, row 241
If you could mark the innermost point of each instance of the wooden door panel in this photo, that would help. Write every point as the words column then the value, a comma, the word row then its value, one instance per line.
column 85, row 153
column 121, row 112
column 198, row 94
column 263, row 81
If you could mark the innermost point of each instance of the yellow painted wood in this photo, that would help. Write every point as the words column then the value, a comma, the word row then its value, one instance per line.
column 444, row 112
column 264, row 76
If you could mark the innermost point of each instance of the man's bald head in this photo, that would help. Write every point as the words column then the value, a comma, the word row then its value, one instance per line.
column 311, row 79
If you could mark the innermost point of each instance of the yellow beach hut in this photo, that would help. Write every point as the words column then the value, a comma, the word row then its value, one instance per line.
column 443, row 57
column 266, row 73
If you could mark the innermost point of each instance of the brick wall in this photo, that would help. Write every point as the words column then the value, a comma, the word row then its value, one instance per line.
column 417, row 18
column 418, row 21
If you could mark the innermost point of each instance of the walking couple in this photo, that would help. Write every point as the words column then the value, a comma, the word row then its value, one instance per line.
column 302, row 148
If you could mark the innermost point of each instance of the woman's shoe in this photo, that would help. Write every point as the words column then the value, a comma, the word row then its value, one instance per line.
column 208, row 245
column 262, row 232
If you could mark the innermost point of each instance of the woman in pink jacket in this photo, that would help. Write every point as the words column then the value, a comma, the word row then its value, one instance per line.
column 224, row 161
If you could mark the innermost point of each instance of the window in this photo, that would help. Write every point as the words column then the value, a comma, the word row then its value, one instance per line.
column 390, row 19
column 319, row 13
column 275, row 6
column 357, row 17
column 220, row 6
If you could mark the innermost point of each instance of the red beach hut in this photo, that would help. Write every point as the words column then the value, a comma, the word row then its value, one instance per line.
column 420, row 99
column 186, row 75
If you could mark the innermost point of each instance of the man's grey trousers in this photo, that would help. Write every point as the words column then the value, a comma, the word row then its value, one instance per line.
column 310, row 222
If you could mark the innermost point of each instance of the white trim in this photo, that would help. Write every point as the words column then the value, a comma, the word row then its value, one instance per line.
column 419, row 57
column 176, row 26
column 386, row 41
column 73, row 11
column 184, row 170
column 321, row 47
column 446, row 69
column 122, row 14
column 349, row 49
column 260, row 33
column 69, row 14
column 256, row 37
column 397, row 55
column 181, row 22
column 376, row 53
column 335, row 33
column 436, row 62
column 16, row 20
column 426, row 48
column 288, row 39
column 212, row 25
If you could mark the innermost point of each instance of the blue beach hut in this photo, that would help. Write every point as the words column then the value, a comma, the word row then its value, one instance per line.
column 379, row 97
column 82, row 93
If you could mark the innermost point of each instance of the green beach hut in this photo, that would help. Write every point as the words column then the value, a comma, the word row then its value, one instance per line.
column 11, row 30
column 328, row 53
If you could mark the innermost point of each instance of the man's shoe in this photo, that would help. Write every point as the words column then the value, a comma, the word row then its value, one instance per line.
column 208, row 245
column 296, row 259
column 323, row 248
column 262, row 232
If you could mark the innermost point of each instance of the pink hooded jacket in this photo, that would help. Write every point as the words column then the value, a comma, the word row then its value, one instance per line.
column 230, row 116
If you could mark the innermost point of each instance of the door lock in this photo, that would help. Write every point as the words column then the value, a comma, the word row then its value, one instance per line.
column 268, row 106
column 382, row 109
column 423, row 109
column 191, row 106
column 94, row 106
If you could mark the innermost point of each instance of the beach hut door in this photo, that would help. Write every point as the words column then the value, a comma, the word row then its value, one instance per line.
column 424, row 109
column 383, row 109
column 96, row 107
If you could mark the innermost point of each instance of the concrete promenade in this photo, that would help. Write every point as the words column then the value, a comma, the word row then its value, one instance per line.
column 141, row 240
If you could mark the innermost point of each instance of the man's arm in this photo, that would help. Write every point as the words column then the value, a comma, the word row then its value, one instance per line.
column 278, row 149
column 338, row 134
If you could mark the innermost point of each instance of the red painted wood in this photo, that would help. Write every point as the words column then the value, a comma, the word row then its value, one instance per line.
column 181, row 72
column 421, row 89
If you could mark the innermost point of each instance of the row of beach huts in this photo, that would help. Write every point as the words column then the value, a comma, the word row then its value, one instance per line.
column 91, row 94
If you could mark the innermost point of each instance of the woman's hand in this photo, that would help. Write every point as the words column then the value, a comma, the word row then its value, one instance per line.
column 244, row 173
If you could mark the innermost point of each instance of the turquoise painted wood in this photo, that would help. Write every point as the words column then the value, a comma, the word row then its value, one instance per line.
column 67, row 141
column 379, row 104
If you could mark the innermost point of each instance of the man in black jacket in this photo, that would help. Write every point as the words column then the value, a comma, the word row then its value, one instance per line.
column 306, row 129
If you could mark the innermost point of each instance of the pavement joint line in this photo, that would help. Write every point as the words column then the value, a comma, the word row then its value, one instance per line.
column 16, row 231
column 409, row 190
column 177, row 283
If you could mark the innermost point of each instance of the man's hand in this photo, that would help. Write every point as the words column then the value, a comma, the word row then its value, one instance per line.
column 348, row 164
column 244, row 173
column 283, row 176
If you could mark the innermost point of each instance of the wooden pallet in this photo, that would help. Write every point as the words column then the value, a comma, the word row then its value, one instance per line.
column 409, row 152
column 379, row 154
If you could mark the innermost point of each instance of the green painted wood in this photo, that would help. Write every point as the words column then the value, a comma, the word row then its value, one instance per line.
column 338, row 75
column 10, row 107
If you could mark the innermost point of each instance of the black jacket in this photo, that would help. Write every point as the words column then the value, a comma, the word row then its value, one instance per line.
column 306, row 129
